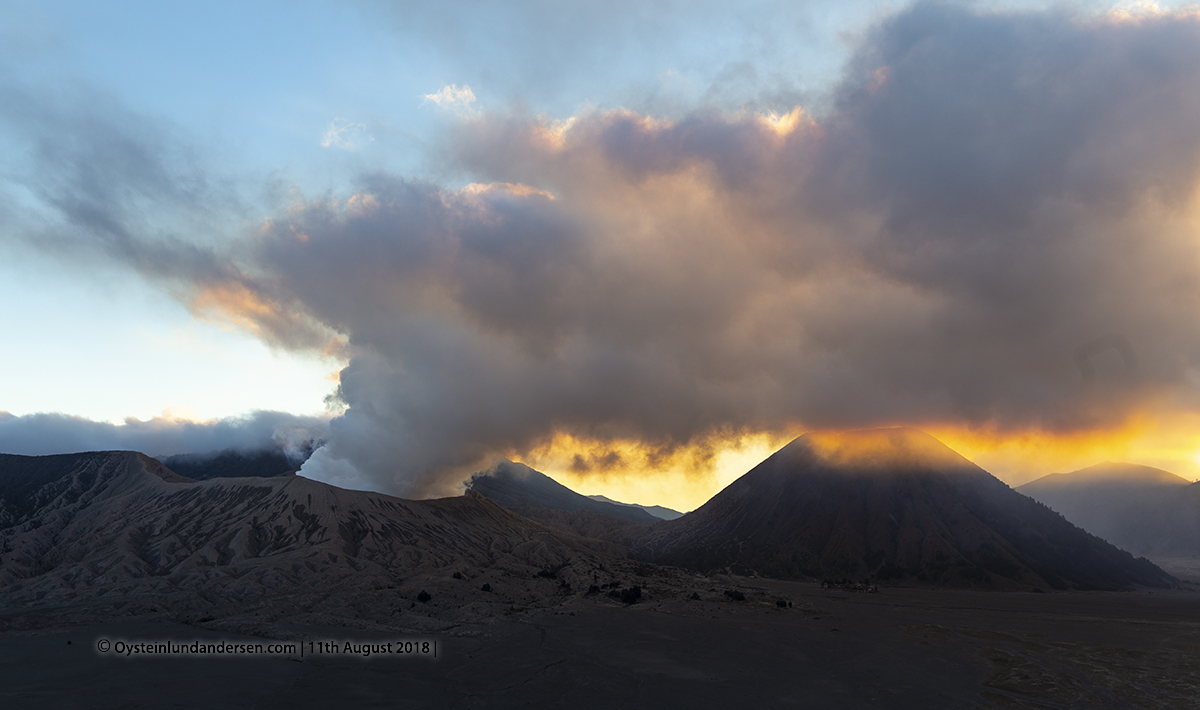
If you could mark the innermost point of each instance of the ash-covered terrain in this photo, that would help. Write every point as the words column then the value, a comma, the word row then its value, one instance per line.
column 113, row 533
column 544, row 596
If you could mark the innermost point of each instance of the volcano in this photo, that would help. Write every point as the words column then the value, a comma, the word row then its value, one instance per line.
column 534, row 494
column 121, row 525
column 891, row 505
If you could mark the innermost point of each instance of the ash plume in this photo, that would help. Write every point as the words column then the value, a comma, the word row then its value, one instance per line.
column 985, row 192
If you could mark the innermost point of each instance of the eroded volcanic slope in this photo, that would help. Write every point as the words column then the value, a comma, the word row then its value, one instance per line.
column 892, row 504
column 121, row 525
column 534, row 494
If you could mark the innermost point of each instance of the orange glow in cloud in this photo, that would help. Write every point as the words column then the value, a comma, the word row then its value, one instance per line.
column 1170, row 442
column 511, row 188
column 180, row 413
column 789, row 122
column 879, row 79
column 1144, row 10
column 682, row 478
column 359, row 205
column 878, row 449
column 233, row 303
column 685, row 477
column 552, row 135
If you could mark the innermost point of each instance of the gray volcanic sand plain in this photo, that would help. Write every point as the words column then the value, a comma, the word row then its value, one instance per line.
column 900, row 648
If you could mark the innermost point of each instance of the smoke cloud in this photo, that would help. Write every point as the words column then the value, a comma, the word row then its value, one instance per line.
column 988, row 196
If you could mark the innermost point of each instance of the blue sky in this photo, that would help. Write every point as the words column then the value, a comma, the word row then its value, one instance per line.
column 250, row 90
column 208, row 209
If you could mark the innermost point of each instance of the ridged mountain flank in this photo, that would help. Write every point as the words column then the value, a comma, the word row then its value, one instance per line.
column 120, row 523
column 893, row 505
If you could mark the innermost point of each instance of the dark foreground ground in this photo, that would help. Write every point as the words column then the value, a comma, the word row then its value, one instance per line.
column 901, row 648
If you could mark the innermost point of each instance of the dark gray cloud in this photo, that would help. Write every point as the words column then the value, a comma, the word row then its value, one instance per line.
column 989, row 194
column 1037, row 173
column 43, row 434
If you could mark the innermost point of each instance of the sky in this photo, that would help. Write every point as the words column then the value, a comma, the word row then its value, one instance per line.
column 638, row 246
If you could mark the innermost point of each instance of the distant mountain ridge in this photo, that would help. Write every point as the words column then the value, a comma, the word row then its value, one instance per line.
column 892, row 505
column 657, row 511
column 1108, row 473
column 1145, row 510
column 519, row 487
